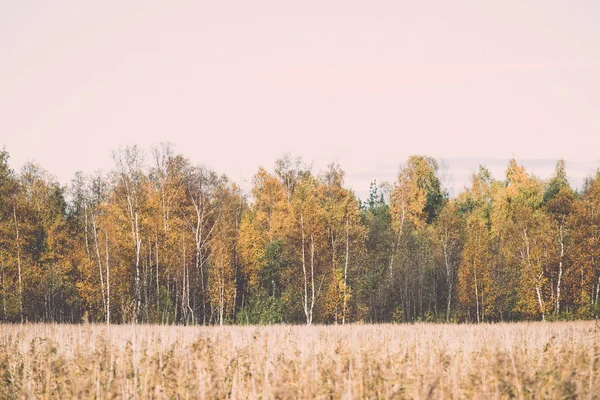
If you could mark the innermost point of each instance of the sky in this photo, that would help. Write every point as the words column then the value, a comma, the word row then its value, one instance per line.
column 235, row 85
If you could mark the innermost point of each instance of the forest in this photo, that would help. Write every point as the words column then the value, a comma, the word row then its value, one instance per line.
column 159, row 240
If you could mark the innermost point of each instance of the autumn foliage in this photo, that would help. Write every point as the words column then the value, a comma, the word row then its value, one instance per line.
column 159, row 240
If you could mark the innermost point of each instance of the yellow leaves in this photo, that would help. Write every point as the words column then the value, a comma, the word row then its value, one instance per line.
column 181, row 241
column 315, row 218
column 222, row 246
column 268, row 220
column 251, row 247
column 448, row 222
column 334, row 299
column 474, row 270
column 416, row 196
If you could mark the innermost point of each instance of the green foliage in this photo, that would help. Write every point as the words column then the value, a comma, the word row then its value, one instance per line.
column 274, row 261
column 261, row 310
column 557, row 182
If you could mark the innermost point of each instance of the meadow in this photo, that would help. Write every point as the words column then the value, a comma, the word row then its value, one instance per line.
column 516, row 360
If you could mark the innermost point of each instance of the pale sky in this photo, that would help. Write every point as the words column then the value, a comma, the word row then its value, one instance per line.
column 234, row 85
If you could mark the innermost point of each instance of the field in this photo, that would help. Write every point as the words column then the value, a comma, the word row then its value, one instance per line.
column 522, row 360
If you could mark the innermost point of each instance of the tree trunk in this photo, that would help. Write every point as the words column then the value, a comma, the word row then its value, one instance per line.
column 308, row 319
column 346, row 271
column 17, row 235
column 560, row 267
column 3, row 292
column 107, row 280
column 312, row 275
column 449, row 273
column 476, row 291
column 200, row 239
column 529, row 266
column 598, row 292
column 200, row 269
column 138, row 244
column 95, row 228
column 221, row 300
column 85, row 213
column 187, row 271
column 333, row 271
column 157, row 282
column 449, row 302
column 539, row 296
column 184, row 286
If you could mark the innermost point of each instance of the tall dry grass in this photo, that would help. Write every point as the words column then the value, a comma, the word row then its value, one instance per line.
column 525, row 360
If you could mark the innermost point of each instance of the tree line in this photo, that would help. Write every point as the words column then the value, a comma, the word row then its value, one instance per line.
column 160, row 240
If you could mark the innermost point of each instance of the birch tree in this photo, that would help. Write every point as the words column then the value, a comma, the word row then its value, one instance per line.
column 131, row 184
column 310, row 228
column 475, row 284
column 559, row 201
column 223, row 247
column 449, row 235
column 200, row 215
column 345, row 233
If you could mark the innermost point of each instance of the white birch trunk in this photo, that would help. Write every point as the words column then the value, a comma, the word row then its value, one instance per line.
column 138, row 245
column 95, row 236
column 449, row 270
column 306, row 312
column 107, row 280
column 157, row 281
column 346, row 271
column 312, row 275
column 19, row 263
column 476, row 291
column 560, row 266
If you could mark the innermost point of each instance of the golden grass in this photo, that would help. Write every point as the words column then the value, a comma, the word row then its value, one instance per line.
column 524, row 360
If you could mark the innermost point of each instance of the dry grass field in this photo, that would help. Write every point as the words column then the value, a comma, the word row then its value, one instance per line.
column 524, row 360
